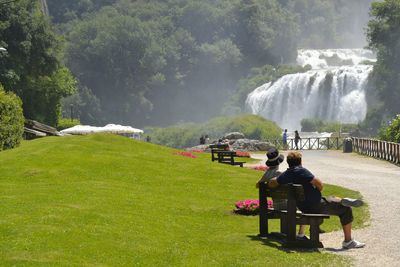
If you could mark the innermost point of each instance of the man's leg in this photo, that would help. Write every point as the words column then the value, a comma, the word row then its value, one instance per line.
column 347, row 232
column 345, row 214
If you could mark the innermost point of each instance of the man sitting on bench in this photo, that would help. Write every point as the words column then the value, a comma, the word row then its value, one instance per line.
column 273, row 161
column 314, row 202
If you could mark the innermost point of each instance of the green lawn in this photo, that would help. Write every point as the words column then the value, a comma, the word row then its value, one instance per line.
column 111, row 201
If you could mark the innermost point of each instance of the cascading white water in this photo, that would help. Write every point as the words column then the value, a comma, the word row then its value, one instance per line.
column 334, row 89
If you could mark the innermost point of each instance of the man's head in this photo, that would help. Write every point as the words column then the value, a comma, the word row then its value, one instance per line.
column 285, row 130
column 293, row 159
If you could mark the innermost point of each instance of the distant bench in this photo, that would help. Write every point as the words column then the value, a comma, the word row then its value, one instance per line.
column 222, row 153
column 215, row 148
column 228, row 157
column 289, row 218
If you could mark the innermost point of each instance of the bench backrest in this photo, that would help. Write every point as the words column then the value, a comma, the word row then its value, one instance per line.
column 286, row 191
column 219, row 146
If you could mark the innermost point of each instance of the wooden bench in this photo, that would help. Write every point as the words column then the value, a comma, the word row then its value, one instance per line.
column 228, row 157
column 215, row 148
column 289, row 218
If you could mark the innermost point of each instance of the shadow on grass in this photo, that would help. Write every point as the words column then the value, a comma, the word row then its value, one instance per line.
column 335, row 249
column 275, row 243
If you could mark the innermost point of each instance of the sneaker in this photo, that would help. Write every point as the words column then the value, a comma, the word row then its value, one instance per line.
column 302, row 237
column 352, row 244
column 351, row 202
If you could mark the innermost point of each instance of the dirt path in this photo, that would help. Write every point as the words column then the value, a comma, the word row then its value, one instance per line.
column 379, row 183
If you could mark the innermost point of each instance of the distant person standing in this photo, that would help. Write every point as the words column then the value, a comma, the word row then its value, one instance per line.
column 202, row 140
column 297, row 138
column 284, row 139
column 148, row 138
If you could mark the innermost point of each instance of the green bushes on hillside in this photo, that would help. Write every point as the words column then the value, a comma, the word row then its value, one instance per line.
column 65, row 123
column 187, row 135
column 11, row 120
column 318, row 125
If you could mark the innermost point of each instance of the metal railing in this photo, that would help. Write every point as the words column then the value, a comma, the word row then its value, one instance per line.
column 311, row 143
column 378, row 149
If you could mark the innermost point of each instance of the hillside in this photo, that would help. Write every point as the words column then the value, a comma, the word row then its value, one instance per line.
column 111, row 201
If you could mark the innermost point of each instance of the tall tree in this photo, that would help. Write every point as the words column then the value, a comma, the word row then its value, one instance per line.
column 384, row 37
column 31, row 66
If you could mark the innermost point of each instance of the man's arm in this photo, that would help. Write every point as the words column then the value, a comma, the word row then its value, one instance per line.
column 317, row 183
column 273, row 183
column 265, row 178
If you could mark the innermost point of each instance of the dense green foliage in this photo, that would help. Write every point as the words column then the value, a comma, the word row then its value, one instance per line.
column 171, row 59
column 63, row 11
column 187, row 135
column 391, row 132
column 329, row 24
column 318, row 125
column 105, row 200
column 11, row 120
column 31, row 67
column 384, row 37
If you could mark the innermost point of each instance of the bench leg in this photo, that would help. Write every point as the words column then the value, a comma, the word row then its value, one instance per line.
column 314, row 233
column 283, row 225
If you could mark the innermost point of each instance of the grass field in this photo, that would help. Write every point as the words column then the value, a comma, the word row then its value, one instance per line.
column 104, row 200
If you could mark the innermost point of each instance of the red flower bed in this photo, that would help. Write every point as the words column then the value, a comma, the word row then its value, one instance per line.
column 185, row 154
column 196, row 151
column 260, row 168
column 243, row 154
column 249, row 206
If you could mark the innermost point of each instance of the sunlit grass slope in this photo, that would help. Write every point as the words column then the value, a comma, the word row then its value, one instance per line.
column 111, row 201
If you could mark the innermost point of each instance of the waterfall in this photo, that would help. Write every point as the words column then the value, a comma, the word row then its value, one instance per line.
column 334, row 89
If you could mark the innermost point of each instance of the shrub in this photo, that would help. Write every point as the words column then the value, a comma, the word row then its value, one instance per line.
column 318, row 125
column 391, row 132
column 311, row 125
column 11, row 120
column 64, row 123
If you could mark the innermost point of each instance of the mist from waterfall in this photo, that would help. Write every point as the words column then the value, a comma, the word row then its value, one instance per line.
column 334, row 89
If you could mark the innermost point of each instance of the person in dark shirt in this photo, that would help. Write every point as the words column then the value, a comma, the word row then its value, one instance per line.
column 274, row 159
column 314, row 202
column 284, row 139
column 296, row 139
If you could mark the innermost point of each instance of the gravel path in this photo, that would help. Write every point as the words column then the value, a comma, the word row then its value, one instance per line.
column 379, row 183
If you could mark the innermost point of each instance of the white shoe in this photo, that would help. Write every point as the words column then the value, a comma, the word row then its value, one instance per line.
column 352, row 244
column 351, row 202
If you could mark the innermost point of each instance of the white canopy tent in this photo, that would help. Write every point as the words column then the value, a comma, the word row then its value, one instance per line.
column 127, row 131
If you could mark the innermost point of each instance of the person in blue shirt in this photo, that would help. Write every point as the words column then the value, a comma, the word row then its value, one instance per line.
column 314, row 202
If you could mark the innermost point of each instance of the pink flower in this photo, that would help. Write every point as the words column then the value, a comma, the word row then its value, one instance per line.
column 248, row 205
